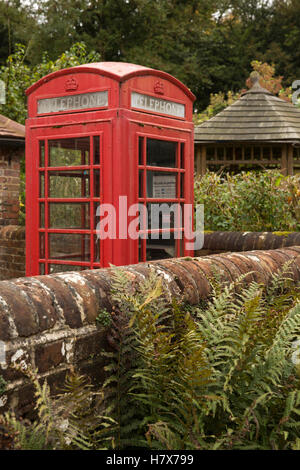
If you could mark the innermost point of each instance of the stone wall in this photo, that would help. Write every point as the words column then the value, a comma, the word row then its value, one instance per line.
column 49, row 321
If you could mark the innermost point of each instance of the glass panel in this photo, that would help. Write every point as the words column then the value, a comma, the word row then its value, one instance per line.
column 70, row 215
column 182, row 185
column 71, row 183
column 42, row 215
column 69, row 152
column 42, row 184
column 96, row 249
column 161, row 185
column 182, row 153
column 42, row 153
column 141, row 257
column 96, row 150
column 160, row 249
column 42, row 245
column 141, row 151
column 42, row 269
column 97, row 183
column 61, row 268
column 141, row 183
column 161, row 153
column 70, row 246
column 181, row 246
column 143, row 217
column 165, row 215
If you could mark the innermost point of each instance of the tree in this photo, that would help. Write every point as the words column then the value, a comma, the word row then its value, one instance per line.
column 207, row 44
column 16, row 25
column 18, row 75
column 220, row 101
column 283, row 38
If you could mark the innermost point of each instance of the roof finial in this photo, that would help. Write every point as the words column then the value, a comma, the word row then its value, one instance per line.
column 254, row 77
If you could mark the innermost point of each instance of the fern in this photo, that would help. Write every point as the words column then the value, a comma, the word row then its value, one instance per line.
column 67, row 421
column 251, row 364
column 122, row 362
column 218, row 375
column 215, row 376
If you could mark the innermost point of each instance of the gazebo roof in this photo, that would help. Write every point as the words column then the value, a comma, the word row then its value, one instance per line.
column 11, row 131
column 258, row 116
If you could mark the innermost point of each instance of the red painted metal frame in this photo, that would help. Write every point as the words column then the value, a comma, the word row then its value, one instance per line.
column 119, row 128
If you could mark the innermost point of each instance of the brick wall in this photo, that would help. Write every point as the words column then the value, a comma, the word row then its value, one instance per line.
column 9, row 184
column 49, row 321
column 12, row 246
column 224, row 242
column 12, row 252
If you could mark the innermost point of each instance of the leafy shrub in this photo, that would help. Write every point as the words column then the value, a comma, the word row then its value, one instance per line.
column 249, row 201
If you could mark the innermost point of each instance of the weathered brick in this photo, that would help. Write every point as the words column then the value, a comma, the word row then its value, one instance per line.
column 48, row 356
column 88, row 346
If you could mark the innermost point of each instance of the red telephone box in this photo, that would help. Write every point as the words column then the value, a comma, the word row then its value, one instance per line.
column 101, row 138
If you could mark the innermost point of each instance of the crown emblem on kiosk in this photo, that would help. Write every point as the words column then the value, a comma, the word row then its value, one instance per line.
column 71, row 84
column 159, row 88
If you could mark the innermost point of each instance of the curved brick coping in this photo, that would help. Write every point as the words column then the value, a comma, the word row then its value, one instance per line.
column 49, row 321
column 14, row 232
column 32, row 305
column 245, row 241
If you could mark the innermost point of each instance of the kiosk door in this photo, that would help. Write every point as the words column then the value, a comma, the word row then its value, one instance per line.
column 67, row 184
column 163, row 190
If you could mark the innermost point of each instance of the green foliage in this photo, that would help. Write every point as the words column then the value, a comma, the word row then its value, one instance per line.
column 219, row 375
column 16, row 25
column 104, row 318
column 70, row 421
column 122, row 362
column 218, row 102
column 184, row 410
column 208, row 45
column 268, row 80
column 3, row 385
column 168, row 367
column 249, row 201
column 18, row 75
column 248, row 343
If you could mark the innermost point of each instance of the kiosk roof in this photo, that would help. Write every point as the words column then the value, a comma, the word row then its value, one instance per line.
column 120, row 71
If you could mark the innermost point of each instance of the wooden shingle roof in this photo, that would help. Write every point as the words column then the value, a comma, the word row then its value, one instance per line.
column 258, row 116
column 11, row 130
